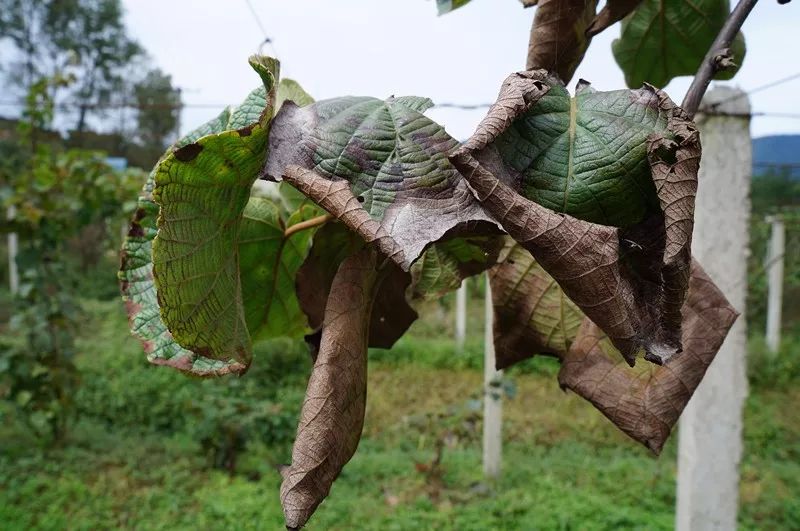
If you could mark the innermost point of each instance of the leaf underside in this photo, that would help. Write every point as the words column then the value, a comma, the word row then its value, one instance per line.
column 333, row 411
column 222, row 237
column 533, row 316
column 532, row 313
column 646, row 401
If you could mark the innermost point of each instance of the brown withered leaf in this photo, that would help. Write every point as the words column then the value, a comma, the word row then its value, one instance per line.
column 558, row 38
column 630, row 281
column 531, row 313
column 612, row 12
column 332, row 416
column 646, row 401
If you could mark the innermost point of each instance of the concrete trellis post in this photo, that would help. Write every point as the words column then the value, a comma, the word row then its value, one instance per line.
column 777, row 244
column 13, row 248
column 710, row 435
column 461, row 316
column 492, row 397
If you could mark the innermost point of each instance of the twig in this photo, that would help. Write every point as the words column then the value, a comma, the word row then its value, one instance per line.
column 718, row 56
column 309, row 223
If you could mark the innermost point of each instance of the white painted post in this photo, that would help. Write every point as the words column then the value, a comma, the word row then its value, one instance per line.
column 461, row 316
column 492, row 396
column 13, row 248
column 777, row 243
column 710, row 435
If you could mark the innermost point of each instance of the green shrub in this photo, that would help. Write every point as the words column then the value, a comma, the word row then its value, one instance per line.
column 773, row 370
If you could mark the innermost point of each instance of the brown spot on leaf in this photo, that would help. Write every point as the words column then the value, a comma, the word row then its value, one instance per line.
column 188, row 152
column 245, row 131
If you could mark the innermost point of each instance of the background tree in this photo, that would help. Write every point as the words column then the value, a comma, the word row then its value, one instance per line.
column 158, row 109
column 84, row 39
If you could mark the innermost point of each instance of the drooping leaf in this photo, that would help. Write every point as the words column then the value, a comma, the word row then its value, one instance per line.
column 646, row 401
column 268, row 264
column 378, row 166
column 586, row 155
column 532, row 313
column 630, row 281
column 333, row 411
column 612, row 12
column 268, row 260
column 139, row 292
column 446, row 6
column 533, row 316
column 202, row 190
column 558, row 38
column 662, row 40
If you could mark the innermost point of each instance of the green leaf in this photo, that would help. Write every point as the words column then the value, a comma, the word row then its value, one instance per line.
column 202, row 190
column 445, row 264
column 586, row 155
column 662, row 40
column 290, row 90
column 268, row 263
column 380, row 166
column 446, row 6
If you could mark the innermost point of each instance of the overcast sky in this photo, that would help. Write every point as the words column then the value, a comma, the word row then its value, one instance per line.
column 400, row 47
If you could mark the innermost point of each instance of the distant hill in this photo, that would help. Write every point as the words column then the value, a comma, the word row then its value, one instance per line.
column 775, row 154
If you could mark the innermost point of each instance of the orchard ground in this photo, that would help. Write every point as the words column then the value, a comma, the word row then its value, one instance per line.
column 154, row 449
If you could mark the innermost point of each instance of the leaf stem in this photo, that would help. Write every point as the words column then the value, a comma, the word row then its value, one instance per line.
column 307, row 224
column 717, row 57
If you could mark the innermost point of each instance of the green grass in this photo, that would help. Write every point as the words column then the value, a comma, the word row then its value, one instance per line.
column 134, row 460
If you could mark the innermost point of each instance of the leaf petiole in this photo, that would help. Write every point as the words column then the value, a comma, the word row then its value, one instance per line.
column 308, row 224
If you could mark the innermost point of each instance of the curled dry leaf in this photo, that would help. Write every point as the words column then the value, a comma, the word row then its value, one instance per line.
column 646, row 401
column 630, row 281
column 533, row 316
column 379, row 166
column 333, row 411
column 612, row 12
column 558, row 38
